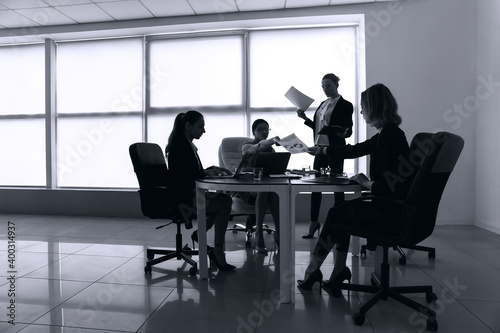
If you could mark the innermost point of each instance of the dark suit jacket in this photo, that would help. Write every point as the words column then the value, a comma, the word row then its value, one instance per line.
column 387, row 150
column 341, row 116
column 185, row 167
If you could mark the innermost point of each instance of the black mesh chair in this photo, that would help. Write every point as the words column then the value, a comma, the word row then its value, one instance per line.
column 434, row 156
column 158, row 201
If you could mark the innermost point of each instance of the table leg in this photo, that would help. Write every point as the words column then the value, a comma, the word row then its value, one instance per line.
column 202, row 232
column 287, row 251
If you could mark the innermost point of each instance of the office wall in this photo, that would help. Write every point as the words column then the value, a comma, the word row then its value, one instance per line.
column 488, row 116
column 423, row 50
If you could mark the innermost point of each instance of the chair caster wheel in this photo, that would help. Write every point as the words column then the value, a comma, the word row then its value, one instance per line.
column 150, row 256
column 147, row 269
column 193, row 270
column 359, row 318
column 402, row 261
column 432, row 256
column 431, row 297
column 432, row 325
column 234, row 232
column 269, row 232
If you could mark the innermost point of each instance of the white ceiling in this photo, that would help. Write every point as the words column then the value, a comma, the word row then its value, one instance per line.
column 38, row 13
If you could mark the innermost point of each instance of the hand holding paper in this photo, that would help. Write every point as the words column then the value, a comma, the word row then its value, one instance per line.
column 298, row 99
column 293, row 144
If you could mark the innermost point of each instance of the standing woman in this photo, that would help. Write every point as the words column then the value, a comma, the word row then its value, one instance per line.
column 335, row 111
column 386, row 149
column 185, row 166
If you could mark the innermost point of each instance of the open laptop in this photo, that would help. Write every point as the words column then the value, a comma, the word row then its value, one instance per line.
column 239, row 169
column 272, row 163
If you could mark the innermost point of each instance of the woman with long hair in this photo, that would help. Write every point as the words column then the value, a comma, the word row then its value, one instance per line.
column 386, row 149
column 185, row 166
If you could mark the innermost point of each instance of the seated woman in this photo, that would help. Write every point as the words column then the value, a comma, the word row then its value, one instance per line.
column 260, row 143
column 185, row 166
column 386, row 150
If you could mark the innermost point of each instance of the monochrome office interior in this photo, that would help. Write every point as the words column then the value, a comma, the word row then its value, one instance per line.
column 82, row 80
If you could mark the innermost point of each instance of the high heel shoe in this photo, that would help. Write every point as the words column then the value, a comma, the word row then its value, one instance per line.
column 194, row 237
column 312, row 229
column 308, row 283
column 221, row 266
column 335, row 284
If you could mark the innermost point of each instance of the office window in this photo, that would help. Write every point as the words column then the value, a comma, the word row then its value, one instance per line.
column 100, row 104
column 300, row 58
column 22, row 115
column 202, row 73
column 194, row 72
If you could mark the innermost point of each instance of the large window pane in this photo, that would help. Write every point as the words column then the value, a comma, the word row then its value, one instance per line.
column 23, row 152
column 201, row 71
column 93, row 152
column 22, row 71
column 217, row 127
column 299, row 57
column 100, row 76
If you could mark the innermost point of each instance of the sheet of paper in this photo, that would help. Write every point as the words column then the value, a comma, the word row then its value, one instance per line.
column 298, row 99
column 293, row 144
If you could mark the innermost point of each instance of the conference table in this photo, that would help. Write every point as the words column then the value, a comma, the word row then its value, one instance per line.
column 287, row 190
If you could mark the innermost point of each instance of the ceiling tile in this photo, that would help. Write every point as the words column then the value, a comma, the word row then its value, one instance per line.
column 162, row 8
column 126, row 10
column 46, row 16
column 18, row 4
column 211, row 7
column 11, row 19
column 345, row 2
column 246, row 5
column 309, row 3
column 59, row 3
column 85, row 13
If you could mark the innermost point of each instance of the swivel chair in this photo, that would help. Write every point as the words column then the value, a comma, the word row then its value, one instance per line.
column 229, row 158
column 431, row 252
column 434, row 156
column 158, row 201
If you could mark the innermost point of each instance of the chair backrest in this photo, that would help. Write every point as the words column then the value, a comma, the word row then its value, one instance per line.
column 157, row 201
column 433, row 156
column 230, row 152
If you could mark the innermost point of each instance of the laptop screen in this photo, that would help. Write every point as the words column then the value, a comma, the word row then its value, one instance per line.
column 272, row 163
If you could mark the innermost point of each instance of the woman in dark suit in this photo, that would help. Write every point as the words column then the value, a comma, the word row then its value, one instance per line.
column 185, row 166
column 335, row 111
column 386, row 149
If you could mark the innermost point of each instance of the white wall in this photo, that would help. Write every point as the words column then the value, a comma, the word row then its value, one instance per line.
column 488, row 117
column 425, row 52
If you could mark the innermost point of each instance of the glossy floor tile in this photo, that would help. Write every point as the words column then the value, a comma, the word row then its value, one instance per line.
column 86, row 274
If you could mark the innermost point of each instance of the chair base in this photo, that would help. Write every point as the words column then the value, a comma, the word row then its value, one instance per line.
column 180, row 253
column 431, row 252
column 249, row 228
column 380, row 287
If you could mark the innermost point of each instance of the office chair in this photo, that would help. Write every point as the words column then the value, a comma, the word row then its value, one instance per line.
column 230, row 158
column 158, row 201
column 431, row 252
column 434, row 156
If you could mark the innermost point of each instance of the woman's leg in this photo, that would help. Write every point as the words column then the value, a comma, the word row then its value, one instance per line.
column 320, row 161
column 260, row 212
column 219, row 204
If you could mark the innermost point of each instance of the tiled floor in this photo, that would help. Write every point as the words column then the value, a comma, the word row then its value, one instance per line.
column 86, row 275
